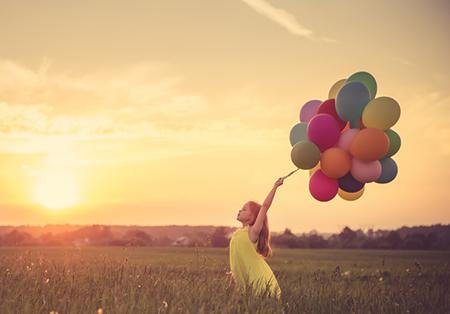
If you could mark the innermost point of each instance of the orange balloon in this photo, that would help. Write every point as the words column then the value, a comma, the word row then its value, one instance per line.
column 335, row 162
column 369, row 144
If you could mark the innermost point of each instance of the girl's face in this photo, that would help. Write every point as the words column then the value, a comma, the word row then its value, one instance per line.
column 244, row 215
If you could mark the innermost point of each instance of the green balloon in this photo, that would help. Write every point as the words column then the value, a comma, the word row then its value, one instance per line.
column 298, row 133
column 395, row 143
column 367, row 79
column 305, row 155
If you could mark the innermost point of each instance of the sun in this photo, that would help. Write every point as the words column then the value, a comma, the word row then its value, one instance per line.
column 56, row 189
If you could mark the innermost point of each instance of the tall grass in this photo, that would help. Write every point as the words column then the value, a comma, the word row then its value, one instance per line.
column 191, row 280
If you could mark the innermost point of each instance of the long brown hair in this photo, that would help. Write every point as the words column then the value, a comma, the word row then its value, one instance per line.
column 263, row 247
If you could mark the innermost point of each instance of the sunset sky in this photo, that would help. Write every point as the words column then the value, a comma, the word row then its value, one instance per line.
column 178, row 112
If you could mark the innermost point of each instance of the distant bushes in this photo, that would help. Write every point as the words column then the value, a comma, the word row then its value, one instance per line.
column 434, row 237
column 410, row 238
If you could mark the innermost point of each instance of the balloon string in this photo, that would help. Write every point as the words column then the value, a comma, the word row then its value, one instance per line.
column 292, row 172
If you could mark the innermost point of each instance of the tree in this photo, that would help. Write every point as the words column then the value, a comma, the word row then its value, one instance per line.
column 137, row 238
column 346, row 237
column 394, row 240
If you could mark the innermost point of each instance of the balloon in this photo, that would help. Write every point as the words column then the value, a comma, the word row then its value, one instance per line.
column 298, row 133
column 328, row 106
column 312, row 170
column 369, row 144
column 323, row 130
column 388, row 171
column 350, row 184
column 355, row 124
column 321, row 187
column 335, row 162
column 305, row 154
column 367, row 79
column 346, row 139
column 395, row 143
column 381, row 113
column 361, row 124
column 309, row 110
column 335, row 89
column 351, row 100
column 365, row 171
column 350, row 196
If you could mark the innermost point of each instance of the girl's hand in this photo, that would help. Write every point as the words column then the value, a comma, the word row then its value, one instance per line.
column 278, row 182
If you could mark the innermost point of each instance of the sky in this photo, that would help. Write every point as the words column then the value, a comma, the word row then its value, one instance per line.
column 178, row 112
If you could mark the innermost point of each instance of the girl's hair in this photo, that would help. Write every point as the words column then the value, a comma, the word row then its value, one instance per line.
column 263, row 247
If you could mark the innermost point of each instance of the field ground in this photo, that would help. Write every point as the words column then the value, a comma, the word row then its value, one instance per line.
column 195, row 280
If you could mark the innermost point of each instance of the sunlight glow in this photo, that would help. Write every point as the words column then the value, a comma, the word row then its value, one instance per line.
column 56, row 189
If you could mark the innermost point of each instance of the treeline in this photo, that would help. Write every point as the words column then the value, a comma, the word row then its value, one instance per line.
column 412, row 238
column 435, row 237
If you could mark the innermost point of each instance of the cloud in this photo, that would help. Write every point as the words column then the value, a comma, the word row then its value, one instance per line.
column 124, row 105
column 284, row 19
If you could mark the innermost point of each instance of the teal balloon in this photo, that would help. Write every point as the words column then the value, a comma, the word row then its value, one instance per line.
column 351, row 100
column 388, row 170
column 298, row 133
column 367, row 79
column 355, row 124
column 395, row 142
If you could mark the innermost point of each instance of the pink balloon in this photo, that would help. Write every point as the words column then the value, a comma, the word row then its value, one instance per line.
column 329, row 106
column 365, row 171
column 309, row 110
column 323, row 130
column 346, row 139
column 321, row 187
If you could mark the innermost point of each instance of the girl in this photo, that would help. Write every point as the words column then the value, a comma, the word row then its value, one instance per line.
column 249, row 246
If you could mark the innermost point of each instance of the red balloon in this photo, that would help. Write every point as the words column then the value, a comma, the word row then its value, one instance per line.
column 323, row 130
column 329, row 106
column 323, row 188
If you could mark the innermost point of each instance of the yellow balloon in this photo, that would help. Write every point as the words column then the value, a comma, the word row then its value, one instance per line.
column 350, row 196
column 334, row 90
column 381, row 113
column 311, row 171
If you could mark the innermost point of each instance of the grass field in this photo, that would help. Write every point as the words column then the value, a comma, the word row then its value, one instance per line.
column 195, row 280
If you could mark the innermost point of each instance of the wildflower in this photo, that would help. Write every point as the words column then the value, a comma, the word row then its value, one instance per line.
column 53, row 312
column 164, row 303
column 346, row 273
column 100, row 311
column 47, row 280
column 381, row 279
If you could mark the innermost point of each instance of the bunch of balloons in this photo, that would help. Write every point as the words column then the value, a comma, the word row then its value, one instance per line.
column 346, row 141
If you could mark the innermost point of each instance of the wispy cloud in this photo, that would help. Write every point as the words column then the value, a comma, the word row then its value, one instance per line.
column 141, row 102
column 284, row 19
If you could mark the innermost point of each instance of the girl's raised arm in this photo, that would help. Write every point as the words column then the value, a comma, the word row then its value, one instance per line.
column 257, row 226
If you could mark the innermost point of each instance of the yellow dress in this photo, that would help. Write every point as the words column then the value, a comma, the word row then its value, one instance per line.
column 249, row 267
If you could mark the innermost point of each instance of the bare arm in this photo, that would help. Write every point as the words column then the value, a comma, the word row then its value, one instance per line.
column 257, row 226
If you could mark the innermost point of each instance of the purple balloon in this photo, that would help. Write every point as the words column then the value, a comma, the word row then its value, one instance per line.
column 350, row 184
column 323, row 130
column 309, row 110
